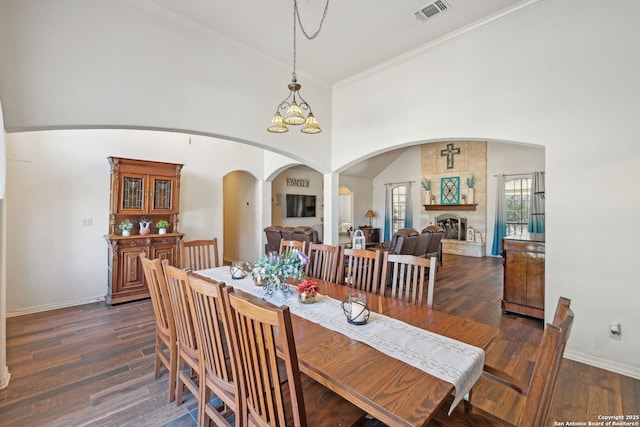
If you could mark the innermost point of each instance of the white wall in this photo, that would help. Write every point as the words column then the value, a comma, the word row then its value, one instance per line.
column 56, row 178
column 242, row 225
column 560, row 75
column 123, row 63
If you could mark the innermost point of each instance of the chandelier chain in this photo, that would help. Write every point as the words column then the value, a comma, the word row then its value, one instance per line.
column 297, row 14
column 296, row 17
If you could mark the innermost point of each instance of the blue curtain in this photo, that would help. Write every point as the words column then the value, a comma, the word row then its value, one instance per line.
column 536, row 208
column 387, row 214
column 408, row 208
column 500, row 226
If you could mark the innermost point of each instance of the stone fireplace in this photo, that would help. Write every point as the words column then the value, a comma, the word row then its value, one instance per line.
column 455, row 227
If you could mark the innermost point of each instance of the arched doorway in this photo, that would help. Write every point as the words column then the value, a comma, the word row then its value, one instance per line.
column 345, row 214
column 240, row 210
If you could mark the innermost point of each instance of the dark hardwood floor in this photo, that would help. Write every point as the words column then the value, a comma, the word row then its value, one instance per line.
column 93, row 364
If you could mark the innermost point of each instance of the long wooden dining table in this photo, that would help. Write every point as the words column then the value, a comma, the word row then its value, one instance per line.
column 389, row 389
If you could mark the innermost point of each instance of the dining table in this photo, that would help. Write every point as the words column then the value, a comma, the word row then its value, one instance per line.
column 389, row 388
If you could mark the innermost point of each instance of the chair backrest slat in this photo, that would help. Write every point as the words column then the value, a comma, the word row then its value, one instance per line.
column 405, row 276
column 210, row 311
column 360, row 269
column 199, row 254
column 291, row 245
column 157, row 285
column 261, row 333
column 323, row 262
column 178, row 286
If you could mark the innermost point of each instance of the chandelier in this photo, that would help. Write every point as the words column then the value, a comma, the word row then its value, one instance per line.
column 294, row 104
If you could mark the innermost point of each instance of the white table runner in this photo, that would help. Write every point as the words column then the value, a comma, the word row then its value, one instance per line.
column 450, row 360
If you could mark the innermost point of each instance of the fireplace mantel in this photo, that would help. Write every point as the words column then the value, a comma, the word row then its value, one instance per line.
column 458, row 207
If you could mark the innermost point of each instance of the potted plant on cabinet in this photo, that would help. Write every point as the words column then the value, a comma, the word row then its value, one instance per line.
column 162, row 226
column 126, row 227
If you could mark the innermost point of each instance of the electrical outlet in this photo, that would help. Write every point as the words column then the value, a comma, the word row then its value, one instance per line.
column 87, row 222
column 614, row 330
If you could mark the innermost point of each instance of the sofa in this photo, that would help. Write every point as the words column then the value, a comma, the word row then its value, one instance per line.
column 275, row 233
column 408, row 241
column 435, row 242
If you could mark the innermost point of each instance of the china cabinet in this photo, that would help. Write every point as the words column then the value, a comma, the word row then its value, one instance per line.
column 143, row 192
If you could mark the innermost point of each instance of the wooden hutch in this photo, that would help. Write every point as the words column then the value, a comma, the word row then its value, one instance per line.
column 140, row 190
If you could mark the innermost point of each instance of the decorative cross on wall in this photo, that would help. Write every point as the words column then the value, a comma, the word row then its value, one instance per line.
column 450, row 152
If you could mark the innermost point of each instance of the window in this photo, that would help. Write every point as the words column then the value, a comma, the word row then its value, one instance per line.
column 398, row 207
column 517, row 192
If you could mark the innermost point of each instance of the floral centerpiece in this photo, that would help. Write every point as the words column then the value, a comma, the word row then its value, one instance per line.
column 307, row 291
column 289, row 265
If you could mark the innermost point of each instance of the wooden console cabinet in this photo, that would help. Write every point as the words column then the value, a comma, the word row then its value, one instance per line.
column 140, row 190
column 523, row 260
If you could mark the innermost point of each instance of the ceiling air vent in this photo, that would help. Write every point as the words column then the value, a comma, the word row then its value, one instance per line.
column 431, row 10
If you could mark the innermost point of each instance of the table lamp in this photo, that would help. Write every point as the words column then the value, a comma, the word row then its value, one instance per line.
column 370, row 215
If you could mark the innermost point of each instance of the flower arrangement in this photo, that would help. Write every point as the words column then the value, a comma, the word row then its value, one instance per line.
column 125, row 225
column 307, row 291
column 307, row 287
column 426, row 184
column 471, row 180
column 290, row 265
column 162, row 224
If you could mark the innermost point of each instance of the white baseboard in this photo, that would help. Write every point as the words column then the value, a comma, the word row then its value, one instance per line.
column 47, row 307
column 598, row 362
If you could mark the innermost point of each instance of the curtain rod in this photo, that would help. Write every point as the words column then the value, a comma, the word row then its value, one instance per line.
column 515, row 174
column 394, row 183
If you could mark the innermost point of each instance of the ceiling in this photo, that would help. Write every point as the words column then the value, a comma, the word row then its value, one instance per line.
column 356, row 35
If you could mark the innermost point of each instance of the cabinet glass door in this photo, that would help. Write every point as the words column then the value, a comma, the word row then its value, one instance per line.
column 133, row 191
column 162, row 194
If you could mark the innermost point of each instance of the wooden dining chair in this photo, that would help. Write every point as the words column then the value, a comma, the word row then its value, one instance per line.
column 273, row 390
column 290, row 245
column 538, row 392
column 166, row 352
column 360, row 269
column 405, row 277
column 199, row 254
column 323, row 262
column 188, row 353
column 216, row 366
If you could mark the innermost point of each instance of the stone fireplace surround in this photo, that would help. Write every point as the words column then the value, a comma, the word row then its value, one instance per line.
column 455, row 237
column 472, row 160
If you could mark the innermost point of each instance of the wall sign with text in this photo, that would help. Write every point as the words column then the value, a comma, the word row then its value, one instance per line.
column 298, row 182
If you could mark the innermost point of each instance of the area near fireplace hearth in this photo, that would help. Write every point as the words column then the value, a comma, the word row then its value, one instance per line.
column 441, row 163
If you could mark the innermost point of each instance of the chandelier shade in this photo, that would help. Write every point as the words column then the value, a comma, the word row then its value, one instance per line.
column 277, row 124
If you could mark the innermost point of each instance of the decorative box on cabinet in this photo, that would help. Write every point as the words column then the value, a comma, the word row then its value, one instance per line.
column 371, row 235
column 523, row 260
column 140, row 189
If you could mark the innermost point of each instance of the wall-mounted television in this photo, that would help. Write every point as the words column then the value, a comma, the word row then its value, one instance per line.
column 301, row 205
